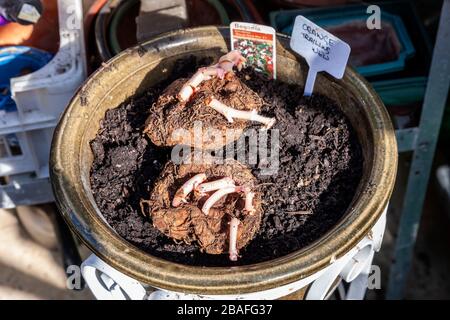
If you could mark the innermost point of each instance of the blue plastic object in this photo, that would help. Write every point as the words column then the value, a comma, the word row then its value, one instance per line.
column 16, row 61
column 283, row 22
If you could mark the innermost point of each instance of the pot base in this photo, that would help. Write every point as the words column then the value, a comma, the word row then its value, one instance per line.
column 318, row 286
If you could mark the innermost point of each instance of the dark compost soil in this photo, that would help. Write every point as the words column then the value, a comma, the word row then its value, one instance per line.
column 320, row 169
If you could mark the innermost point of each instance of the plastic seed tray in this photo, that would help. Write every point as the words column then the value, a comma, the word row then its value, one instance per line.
column 31, row 104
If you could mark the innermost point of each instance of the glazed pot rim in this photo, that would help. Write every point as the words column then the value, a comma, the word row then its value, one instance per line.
column 93, row 230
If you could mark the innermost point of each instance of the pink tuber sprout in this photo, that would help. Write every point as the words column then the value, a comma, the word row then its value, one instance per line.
column 201, row 75
column 186, row 188
column 222, row 187
column 249, row 195
column 215, row 185
column 231, row 59
column 216, row 196
column 225, row 65
column 234, row 225
column 230, row 114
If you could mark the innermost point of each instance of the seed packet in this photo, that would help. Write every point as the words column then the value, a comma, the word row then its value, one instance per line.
column 257, row 43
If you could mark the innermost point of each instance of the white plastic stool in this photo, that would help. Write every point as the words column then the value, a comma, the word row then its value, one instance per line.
column 354, row 267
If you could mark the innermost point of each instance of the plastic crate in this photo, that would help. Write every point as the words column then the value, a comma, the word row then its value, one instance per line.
column 16, row 61
column 41, row 96
column 26, row 151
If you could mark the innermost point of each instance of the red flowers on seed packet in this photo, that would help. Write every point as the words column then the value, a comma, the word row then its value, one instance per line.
column 257, row 43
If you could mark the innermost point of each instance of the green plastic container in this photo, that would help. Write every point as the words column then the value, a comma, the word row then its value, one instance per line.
column 400, row 92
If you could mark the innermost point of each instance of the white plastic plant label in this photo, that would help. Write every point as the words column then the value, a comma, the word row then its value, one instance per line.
column 321, row 50
column 257, row 43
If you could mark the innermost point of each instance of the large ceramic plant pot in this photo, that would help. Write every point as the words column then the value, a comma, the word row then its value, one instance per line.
column 131, row 73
